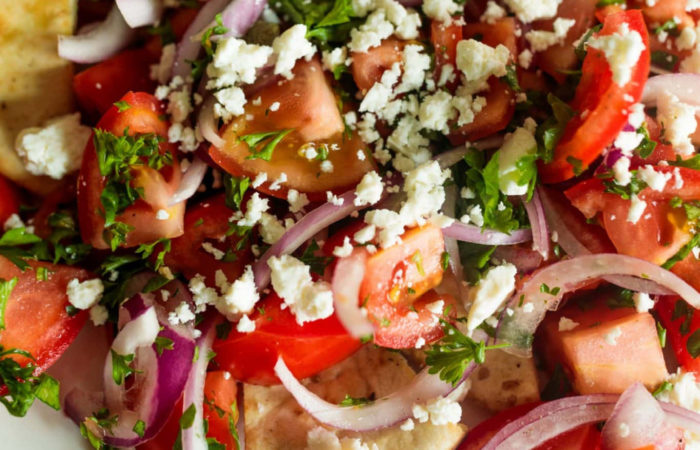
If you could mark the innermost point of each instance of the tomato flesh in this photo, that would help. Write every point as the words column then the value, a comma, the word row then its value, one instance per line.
column 220, row 406
column 307, row 105
column 368, row 67
column 144, row 115
column 681, row 322
column 307, row 349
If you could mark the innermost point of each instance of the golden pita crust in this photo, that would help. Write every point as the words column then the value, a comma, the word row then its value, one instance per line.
column 274, row 420
column 35, row 84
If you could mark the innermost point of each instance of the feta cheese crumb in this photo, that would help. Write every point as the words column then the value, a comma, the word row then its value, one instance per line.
column 642, row 302
column 490, row 293
column 541, row 40
column 369, row 189
column 56, row 149
column 99, row 315
column 612, row 335
column 241, row 296
column 84, row 295
column 679, row 122
column 529, row 10
column 370, row 34
column 181, row 314
column 566, row 324
column 12, row 222
column 622, row 50
column 297, row 201
column 528, row 307
column 637, row 208
column 407, row 425
column 365, row 234
column 479, row 61
column 291, row 46
column 493, row 12
column 343, row 250
column 440, row 411
column 259, row 180
column 162, row 214
column 441, row 10
column 621, row 171
column 655, row 180
column 245, row 325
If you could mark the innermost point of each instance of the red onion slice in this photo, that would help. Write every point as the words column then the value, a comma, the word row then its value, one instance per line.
column 208, row 123
column 532, row 301
column 240, row 15
column 194, row 437
column 190, row 181
column 451, row 157
column 476, row 235
column 538, row 224
column 102, row 41
column 685, row 86
column 573, row 247
column 315, row 221
column 381, row 413
column 681, row 417
column 636, row 420
column 138, row 13
column 347, row 278
column 451, row 245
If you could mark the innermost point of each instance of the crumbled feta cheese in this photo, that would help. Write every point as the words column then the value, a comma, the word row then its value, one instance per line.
column 441, row 10
column 85, row 294
column 677, row 178
column 637, row 208
column 420, row 342
column 479, row 61
column 236, row 62
column 12, row 222
column 162, row 214
column 99, row 315
column 259, row 180
column 436, row 111
column 320, row 438
column 365, row 234
column 334, row 199
column 161, row 72
column 213, row 251
column 343, row 250
column 519, row 144
column 493, row 12
column 326, row 166
column 628, row 141
column 541, row 40
column 56, row 149
column 621, row 171
column 275, row 106
column 441, row 411
column 245, row 325
column 370, row 34
column 297, row 201
column 334, row 58
column 622, row 50
column 231, row 101
column 490, row 293
column 271, row 230
column 436, row 307
column 612, row 335
column 655, row 180
column 416, row 63
column 531, row 10
column 201, row 293
column 181, row 314
column 525, row 59
column 277, row 184
column 678, row 121
column 255, row 207
column 407, row 425
column 566, row 324
column 241, row 296
column 476, row 215
column 291, row 46
column 642, row 302
column 528, row 307
column 369, row 189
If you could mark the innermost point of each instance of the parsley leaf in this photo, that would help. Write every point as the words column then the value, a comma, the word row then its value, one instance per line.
column 353, row 401
column 551, row 130
column 691, row 163
column 452, row 354
column 511, row 77
column 120, row 366
column 262, row 145
column 6, row 288
column 682, row 253
column 326, row 20
column 22, row 386
column 235, row 188
column 647, row 146
column 122, row 105
column 187, row 418
column 316, row 263
column 163, row 343
column 140, row 428
column 666, row 61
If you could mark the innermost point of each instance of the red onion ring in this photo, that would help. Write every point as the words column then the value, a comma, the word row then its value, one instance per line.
column 451, row 245
column 573, row 247
column 138, row 13
column 315, row 221
column 568, row 275
column 685, row 86
column 208, row 123
column 194, row 437
column 347, row 278
column 642, row 416
column 190, row 181
column 476, row 235
column 102, row 41
column 382, row 413
column 538, row 224
column 240, row 15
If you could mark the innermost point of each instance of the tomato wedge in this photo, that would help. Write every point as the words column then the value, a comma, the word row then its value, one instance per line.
column 682, row 323
column 368, row 67
column 144, row 115
column 207, row 221
column 307, row 349
column 36, row 319
column 600, row 104
column 221, row 406
column 307, row 105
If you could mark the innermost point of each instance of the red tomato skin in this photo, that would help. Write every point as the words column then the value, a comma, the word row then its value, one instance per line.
column 665, row 307
column 9, row 203
column 98, row 87
column 444, row 37
column 220, row 392
column 368, row 67
column 143, row 116
column 207, row 220
column 35, row 315
column 585, row 138
column 307, row 349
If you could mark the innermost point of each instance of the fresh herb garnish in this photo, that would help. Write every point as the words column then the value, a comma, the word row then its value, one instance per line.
column 326, row 20
column 262, row 145
column 187, row 418
column 666, row 61
column 23, row 386
column 354, row 401
column 235, row 188
column 682, row 253
column 551, row 130
column 310, row 257
column 6, row 288
column 163, row 343
column 120, row 366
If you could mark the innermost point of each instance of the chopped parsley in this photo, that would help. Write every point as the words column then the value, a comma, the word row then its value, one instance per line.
column 235, row 188
column 310, row 257
column 551, row 130
column 163, row 343
column 23, row 386
column 666, row 61
column 11, row 243
column 682, row 253
column 262, row 145
column 121, row 366
column 326, row 20
column 187, row 418
column 355, row 401
column 6, row 288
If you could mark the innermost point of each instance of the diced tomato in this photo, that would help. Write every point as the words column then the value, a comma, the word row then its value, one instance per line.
column 36, row 319
column 601, row 104
column 98, row 87
column 585, row 437
column 663, row 11
column 561, row 57
column 444, row 38
column 396, row 289
column 307, row 349
column 144, row 115
column 604, row 11
column 682, row 322
column 608, row 350
column 368, row 67
column 9, row 204
column 502, row 31
column 308, row 106
column 220, row 406
column 207, row 221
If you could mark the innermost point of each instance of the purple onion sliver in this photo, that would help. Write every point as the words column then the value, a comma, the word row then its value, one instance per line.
column 208, row 124
column 476, row 235
column 102, row 41
column 240, row 15
column 190, row 181
column 538, row 224
column 685, row 86
column 138, row 13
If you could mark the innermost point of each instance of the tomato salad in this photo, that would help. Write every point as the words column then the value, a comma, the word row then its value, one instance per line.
column 255, row 194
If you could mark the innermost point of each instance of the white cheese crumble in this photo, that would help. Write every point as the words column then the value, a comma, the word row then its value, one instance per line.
column 621, row 171
column 642, row 302
column 371, row 33
column 612, row 335
column 255, row 207
column 490, row 293
column 541, row 40
column 622, row 50
column 162, row 214
column 259, row 180
column 655, row 180
column 291, row 46
column 493, row 12
column 440, row 411
column 241, row 296
column 344, row 250
column 334, row 58
column 245, row 325
column 637, row 208
column 99, row 315
column 12, row 222
column 56, row 149
column 181, row 314
column 566, row 324
column 479, row 61
column 531, row 10
column 441, row 10
column 679, row 122
column 365, row 234
column 369, row 189
column 297, row 201
column 84, row 295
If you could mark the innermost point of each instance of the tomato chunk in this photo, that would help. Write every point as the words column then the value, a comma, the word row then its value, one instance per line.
column 307, row 105
column 144, row 115
column 368, row 67
column 220, row 406
column 307, row 349
column 682, row 322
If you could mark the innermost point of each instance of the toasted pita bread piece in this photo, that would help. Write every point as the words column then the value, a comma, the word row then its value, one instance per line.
column 274, row 420
column 35, row 83
column 503, row 381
